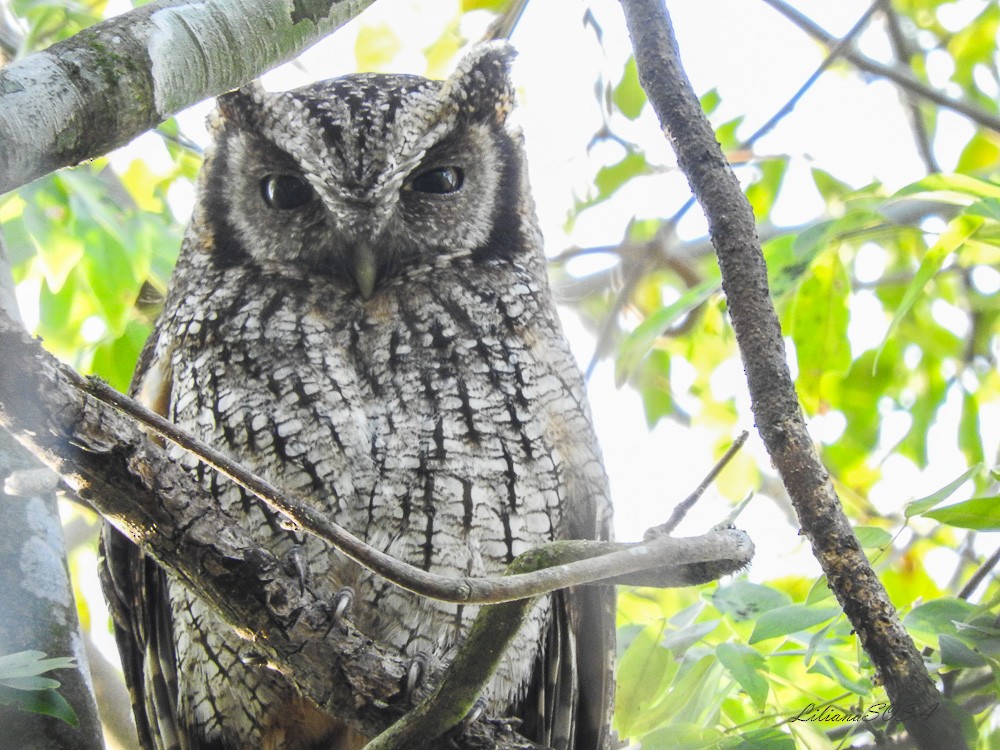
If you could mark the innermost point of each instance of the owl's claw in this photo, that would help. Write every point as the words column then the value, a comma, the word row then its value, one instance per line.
column 342, row 602
column 415, row 675
column 294, row 563
column 477, row 710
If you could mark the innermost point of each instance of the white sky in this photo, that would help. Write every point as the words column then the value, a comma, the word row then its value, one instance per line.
column 848, row 125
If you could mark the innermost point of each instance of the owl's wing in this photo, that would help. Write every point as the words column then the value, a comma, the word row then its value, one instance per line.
column 571, row 700
column 135, row 588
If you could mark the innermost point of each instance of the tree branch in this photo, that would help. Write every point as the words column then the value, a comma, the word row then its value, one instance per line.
column 774, row 402
column 39, row 610
column 900, row 78
column 111, row 464
column 673, row 561
column 101, row 88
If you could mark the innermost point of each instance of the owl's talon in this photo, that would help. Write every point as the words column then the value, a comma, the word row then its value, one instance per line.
column 415, row 675
column 342, row 602
column 477, row 710
column 294, row 563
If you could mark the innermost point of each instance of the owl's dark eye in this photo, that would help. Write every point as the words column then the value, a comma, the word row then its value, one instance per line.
column 285, row 191
column 440, row 181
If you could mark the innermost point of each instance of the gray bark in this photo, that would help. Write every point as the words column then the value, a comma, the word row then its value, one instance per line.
column 101, row 88
column 37, row 608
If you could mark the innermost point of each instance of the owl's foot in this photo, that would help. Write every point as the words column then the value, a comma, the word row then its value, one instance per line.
column 477, row 710
column 294, row 563
column 342, row 602
column 415, row 675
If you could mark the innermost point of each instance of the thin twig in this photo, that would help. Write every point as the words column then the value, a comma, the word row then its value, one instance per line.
column 981, row 573
column 587, row 561
column 835, row 51
column 900, row 78
column 685, row 505
column 902, row 51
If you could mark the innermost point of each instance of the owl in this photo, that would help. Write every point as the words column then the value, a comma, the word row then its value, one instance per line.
column 360, row 314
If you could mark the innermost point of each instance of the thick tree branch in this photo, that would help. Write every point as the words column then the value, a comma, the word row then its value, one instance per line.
column 775, row 405
column 101, row 88
column 39, row 610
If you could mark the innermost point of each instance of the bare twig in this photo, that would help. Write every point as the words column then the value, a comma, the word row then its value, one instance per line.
column 666, row 559
column 981, row 572
column 835, row 51
column 685, row 505
column 900, row 78
column 901, row 49
column 775, row 405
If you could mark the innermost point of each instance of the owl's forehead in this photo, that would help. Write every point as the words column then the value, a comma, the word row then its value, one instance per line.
column 368, row 101
column 363, row 127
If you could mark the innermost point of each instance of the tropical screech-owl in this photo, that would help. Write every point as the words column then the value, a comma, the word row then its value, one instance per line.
column 360, row 313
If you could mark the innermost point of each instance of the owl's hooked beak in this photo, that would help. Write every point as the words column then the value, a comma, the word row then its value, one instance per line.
column 365, row 266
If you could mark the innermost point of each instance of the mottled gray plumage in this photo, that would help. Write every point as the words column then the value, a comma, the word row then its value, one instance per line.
column 360, row 313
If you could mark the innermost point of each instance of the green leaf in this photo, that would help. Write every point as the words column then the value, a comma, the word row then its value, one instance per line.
column 829, row 187
column 939, row 616
column 959, row 189
column 691, row 692
column 979, row 513
column 872, row 537
column 954, row 236
column 678, row 641
column 763, row 192
column 745, row 665
column 970, row 436
column 818, row 323
column 743, row 600
column 819, row 591
column 710, row 101
column 954, row 653
column 790, row 619
column 45, row 702
column 832, row 668
column 645, row 669
column 609, row 179
column 628, row 95
column 641, row 340
column 988, row 208
column 376, row 46
column 768, row 738
column 22, row 685
column 919, row 507
column 681, row 736
column 31, row 663
column 981, row 152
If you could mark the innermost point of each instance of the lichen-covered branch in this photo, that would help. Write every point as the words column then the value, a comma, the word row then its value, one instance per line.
column 774, row 401
column 101, row 88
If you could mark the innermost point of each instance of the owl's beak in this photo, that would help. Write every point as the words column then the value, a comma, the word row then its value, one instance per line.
column 365, row 267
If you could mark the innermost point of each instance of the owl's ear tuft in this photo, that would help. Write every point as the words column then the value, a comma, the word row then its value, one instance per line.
column 242, row 106
column 481, row 87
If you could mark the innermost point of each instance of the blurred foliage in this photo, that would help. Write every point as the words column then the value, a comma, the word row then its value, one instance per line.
column 890, row 303
column 22, row 684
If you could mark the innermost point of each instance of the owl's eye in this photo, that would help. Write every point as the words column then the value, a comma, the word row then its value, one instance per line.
column 440, row 181
column 285, row 191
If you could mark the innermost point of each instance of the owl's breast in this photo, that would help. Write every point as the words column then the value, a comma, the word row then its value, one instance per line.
column 438, row 425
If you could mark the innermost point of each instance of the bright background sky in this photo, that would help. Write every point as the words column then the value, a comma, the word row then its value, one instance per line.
column 851, row 126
